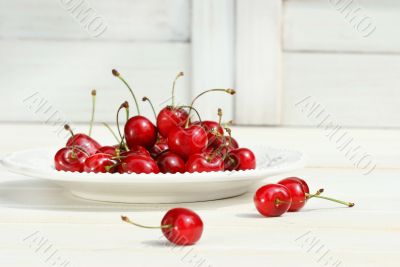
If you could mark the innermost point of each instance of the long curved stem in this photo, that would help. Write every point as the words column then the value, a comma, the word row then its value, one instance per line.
column 145, row 98
column 93, row 111
column 126, row 219
column 229, row 91
column 180, row 74
column 117, row 74
column 195, row 110
column 126, row 106
column 348, row 204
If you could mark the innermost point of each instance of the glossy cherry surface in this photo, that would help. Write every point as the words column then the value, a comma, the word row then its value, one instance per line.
column 213, row 129
column 100, row 162
column 136, row 150
column 204, row 162
column 84, row 141
column 169, row 162
column 157, row 149
column 272, row 200
column 138, row 164
column 298, row 189
column 245, row 157
column 70, row 159
column 170, row 118
column 140, row 131
column 187, row 141
column 111, row 150
column 185, row 226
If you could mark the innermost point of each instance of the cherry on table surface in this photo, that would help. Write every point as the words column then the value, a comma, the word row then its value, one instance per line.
column 204, row 162
column 169, row 162
column 180, row 226
column 272, row 200
column 187, row 141
column 70, row 159
column 100, row 162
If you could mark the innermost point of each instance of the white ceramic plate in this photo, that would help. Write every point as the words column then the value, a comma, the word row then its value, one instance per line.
column 153, row 188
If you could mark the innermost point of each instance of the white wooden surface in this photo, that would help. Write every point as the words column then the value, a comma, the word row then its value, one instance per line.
column 258, row 61
column 91, row 234
column 212, row 47
column 314, row 25
column 357, row 89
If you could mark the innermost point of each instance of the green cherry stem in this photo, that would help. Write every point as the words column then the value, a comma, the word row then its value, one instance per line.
column 180, row 74
column 195, row 110
column 112, row 132
column 348, row 204
column 118, row 75
column 126, row 219
column 229, row 91
column 319, row 192
column 145, row 98
column 126, row 106
column 93, row 111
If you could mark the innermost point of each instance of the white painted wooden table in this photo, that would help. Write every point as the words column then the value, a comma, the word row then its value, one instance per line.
column 40, row 221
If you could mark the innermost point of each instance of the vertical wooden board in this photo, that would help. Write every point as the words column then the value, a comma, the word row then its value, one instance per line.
column 258, row 62
column 63, row 73
column 150, row 20
column 212, row 46
column 347, row 25
column 355, row 90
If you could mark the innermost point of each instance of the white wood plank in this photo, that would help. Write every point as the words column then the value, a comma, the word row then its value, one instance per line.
column 212, row 44
column 355, row 89
column 314, row 25
column 151, row 20
column 258, row 62
column 64, row 73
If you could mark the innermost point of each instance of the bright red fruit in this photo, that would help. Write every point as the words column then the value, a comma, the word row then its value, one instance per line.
column 187, row 141
column 272, row 200
column 298, row 189
column 136, row 150
column 204, row 163
column 245, row 158
column 213, row 129
column 231, row 162
column 170, row 118
column 169, row 162
column 185, row 228
column 138, row 164
column 140, row 131
column 157, row 149
column 70, row 159
column 84, row 141
column 100, row 162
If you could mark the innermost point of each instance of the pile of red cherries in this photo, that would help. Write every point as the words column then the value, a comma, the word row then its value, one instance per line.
column 184, row 227
column 176, row 144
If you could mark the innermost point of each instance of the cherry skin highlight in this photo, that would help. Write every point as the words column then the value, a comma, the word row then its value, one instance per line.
column 100, row 162
column 169, row 162
column 272, row 200
column 70, row 159
column 186, row 226
column 140, row 131
column 187, row 141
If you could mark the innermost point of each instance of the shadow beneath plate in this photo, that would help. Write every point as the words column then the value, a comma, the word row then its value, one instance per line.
column 43, row 195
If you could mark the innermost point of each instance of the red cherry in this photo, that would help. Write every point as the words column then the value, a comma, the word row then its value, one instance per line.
column 245, row 157
column 100, row 162
column 140, row 131
column 186, row 226
column 300, row 193
column 138, row 164
column 187, row 141
column 169, row 162
column 136, row 150
column 213, row 129
column 231, row 162
column 171, row 118
column 204, row 163
column 298, row 189
column 272, row 200
column 180, row 226
column 157, row 149
column 86, row 142
column 70, row 159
